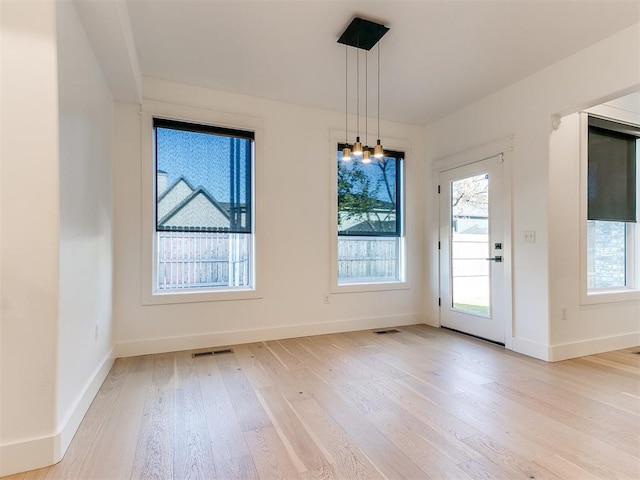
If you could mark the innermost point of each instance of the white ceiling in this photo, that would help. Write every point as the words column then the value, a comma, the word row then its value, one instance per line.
column 630, row 103
column 438, row 56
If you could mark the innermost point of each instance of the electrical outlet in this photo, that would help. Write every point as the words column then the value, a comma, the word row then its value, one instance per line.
column 529, row 236
column 97, row 332
column 326, row 299
column 563, row 313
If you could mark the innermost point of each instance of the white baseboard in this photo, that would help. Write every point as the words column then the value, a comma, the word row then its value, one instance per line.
column 234, row 337
column 431, row 321
column 68, row 427
column 564, row 351
column 530, row 348
column 45, row 451
column 27, row 455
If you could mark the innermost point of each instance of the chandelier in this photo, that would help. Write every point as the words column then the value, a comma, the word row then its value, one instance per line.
column 362, row 35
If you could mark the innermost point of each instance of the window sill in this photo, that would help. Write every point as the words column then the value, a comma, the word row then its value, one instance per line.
column 370, row 287
column 167, row 298
column 610, row 296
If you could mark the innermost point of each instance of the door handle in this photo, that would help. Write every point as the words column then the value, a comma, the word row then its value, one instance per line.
column 497, row 258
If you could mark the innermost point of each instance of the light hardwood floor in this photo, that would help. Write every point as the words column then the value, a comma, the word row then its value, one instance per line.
column 423, row 403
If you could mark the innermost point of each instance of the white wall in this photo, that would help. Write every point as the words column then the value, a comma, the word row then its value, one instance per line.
column 85, row 288
column 29, row 190
column 56, row 261
column 294, row 203
column 525, row 111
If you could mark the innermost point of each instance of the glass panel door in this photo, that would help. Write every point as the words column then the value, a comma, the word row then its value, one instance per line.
column 470, row 272
column 473, row 289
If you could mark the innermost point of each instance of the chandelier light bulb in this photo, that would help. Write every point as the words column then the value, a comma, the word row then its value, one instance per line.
column 378, row 151
column 357, row 147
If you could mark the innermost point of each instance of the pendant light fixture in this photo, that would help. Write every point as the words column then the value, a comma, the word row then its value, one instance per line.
column 366, row 154
column 357, row 146
column 378, row 151
column 363, row 35
column 346, row 151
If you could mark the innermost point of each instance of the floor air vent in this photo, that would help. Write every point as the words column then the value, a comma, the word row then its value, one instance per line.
column 211, row 352
column 382, row 332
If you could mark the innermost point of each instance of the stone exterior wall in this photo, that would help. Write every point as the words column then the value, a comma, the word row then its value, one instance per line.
column 606, row 254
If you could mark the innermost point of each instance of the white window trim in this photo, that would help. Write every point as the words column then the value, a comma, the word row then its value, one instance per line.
column 392, row 144
column 147, row 229
column 609, row 295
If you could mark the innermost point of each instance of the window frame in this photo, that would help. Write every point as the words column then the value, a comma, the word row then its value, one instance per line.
column 396, row 145
column 205, row 118
column 631, row 291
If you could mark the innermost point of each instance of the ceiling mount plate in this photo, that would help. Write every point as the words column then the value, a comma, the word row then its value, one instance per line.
column 362, row 33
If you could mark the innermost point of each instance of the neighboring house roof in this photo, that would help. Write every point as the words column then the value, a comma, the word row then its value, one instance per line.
column 470, row 217
column 475, row 230
column 363, row 227
column 181, row 205
column 173, row 196
column 198, row 209
column 352, row 223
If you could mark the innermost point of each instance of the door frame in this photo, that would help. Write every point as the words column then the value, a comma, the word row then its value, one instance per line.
column 505, row 148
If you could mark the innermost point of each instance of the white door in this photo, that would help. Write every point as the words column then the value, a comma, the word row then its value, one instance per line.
column 472, row 250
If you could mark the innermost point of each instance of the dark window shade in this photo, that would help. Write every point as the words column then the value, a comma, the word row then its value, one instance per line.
column 369, row 196
column 203, row 178
column 612, row 179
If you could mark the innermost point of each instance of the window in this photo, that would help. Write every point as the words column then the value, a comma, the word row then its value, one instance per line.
column 370, row 220
column 203, row 207
column 612, row 203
